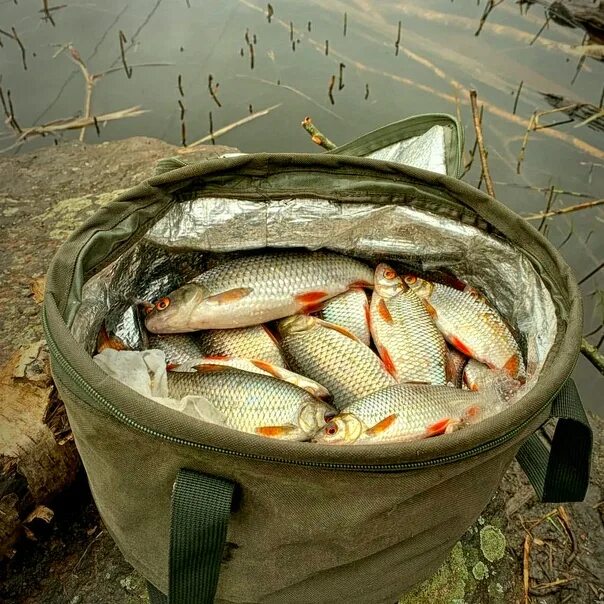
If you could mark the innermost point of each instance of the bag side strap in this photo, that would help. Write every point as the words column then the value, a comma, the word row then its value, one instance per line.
column 560, row 473
column 201, row 506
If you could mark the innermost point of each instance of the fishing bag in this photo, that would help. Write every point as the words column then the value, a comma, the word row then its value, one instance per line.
column 209, row 514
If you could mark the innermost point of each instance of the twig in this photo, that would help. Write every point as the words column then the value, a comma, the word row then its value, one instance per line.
column 9, row 111
column 180, row 90
column 221, row 131
column 526, row 561
column 522, row 152
column 491, row 4
column 332, row 82
column 593, row 332
column 326, row 47
column 46, row 12
column 545, row 589
column 472, row 153
column 548, row 206
column 591, row 273
column 213, row 88
column 211, row 135
column 269, row 12
column 123, row 40
column 291, row 31
column 250, row 47
column 483, row 154
column 578, row 70
column 592, row 354
column 17, row 39
column 341, row 77
column 316, row 135
column 565, row 519
column 398, row 40
column 345, row 23
column 545, row 24
column 366, row 91
column 566, row 210
column 517, row 97
column 89, row 81
column 543, row 189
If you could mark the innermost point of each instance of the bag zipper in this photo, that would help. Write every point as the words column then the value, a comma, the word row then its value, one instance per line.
column 413, row 465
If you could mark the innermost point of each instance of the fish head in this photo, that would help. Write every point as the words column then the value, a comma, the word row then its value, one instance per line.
column 387, row 283
column 296, row 324
column 421, row 287
column 314, row 414
column 171, row 313
column 343, row 429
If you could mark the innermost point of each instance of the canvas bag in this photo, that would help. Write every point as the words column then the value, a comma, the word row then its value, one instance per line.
column 209, row 514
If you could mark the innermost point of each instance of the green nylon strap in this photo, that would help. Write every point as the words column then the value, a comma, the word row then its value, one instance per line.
column 201, row 506
column 561, row 473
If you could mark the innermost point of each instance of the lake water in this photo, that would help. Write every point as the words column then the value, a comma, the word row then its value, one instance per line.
column 439, row 59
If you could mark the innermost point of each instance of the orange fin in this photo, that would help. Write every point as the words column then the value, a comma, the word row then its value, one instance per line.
column 473, row 412
column 340, row 329
column 231, row 295
column 217, row 357
column 172, row 366
column 431, row 310
column 275, row 431
column 104, row 341
column 268, row 367
column 311, row 298
column 455, row 341
column 382, row 425
column 512, row 365
column 209, row 368
column 388, row 362
column 360, row 284
column 384, row 312
column 440, row 427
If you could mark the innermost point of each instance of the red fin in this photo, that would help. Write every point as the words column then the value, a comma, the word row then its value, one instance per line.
column 388, row 363
column 382, row 425
column 440, row 427
column 104, row 341
column 217, row 357
column 339, row 329
column 431, row 310
column 512, row 365
column 384, row 312
column 265, row 367
column 211, row 368
column 309, row 298
column 231, row 295
column 275, row 431
column 455, row 341
column 472, row 412
column 172, row 366
column 360, row 284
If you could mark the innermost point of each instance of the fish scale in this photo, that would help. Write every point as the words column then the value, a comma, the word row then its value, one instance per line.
column 344, row 365
column 248, row 401
column 405, row 335
column 254, row 342
column 471, row 325
column 256, row 289
column 406, row 412
column 349, row 310
column 178, row 348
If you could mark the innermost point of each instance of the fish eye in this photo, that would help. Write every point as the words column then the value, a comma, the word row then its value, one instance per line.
column 410, row 279
column 389, row 273
column 331, row 429
column 162, row 303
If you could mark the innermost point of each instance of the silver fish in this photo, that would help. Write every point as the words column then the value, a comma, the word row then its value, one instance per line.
column 256, row 289
column 333, row 357
column 254, row 403
column 178, row 348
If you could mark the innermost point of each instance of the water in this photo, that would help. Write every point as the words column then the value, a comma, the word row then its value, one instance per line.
column 439, row 59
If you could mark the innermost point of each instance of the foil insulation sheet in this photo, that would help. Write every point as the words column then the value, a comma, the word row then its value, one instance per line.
column 427, row 151
column 196, row 234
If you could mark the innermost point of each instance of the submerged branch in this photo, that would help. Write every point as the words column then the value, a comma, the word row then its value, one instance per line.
column 593, row 355
column 481, row 149
column 567, row 210
column 316, row 135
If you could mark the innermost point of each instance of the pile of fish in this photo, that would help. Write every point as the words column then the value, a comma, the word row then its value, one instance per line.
column 320, row 346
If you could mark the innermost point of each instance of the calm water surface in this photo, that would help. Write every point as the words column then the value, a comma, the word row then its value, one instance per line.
column 439, row 59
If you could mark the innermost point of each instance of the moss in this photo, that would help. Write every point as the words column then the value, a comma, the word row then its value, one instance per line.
column 492, row 543
column 447, row 585
column 480, row 571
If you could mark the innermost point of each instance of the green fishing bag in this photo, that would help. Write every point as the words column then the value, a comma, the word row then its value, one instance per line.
column 209, row 514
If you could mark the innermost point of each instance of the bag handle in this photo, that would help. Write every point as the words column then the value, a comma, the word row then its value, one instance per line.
column 201, row 507
column 560, row 473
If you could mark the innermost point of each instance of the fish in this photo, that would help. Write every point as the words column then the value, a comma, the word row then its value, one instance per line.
column 470, row 324
column 479, row 377
column 406, row 338
column 456, row 362
column 256, row 342
column 332, row 356
column 208, row 364
column 257, row 404
column 406, row 412
column 178, row 348
column 256, row 289
column 351, row 311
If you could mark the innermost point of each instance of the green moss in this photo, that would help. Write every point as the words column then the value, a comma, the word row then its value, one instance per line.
column 492, row 543
column 480, row 571
column 447, row 585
